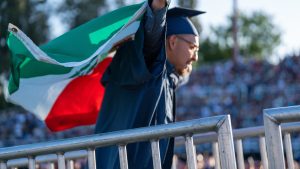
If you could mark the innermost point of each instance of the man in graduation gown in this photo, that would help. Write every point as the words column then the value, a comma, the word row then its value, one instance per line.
column 140, row 82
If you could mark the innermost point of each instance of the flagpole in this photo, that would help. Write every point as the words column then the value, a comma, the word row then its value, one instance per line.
column 235, row 31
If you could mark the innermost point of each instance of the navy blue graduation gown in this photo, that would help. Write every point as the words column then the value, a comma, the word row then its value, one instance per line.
column 136, row 95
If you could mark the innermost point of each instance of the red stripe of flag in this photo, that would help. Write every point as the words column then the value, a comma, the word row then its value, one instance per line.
column 80, row 101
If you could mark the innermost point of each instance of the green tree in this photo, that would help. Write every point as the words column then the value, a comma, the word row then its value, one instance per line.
column 30, row 16
column 76, row 12
column 258, row 37
column 211, row 51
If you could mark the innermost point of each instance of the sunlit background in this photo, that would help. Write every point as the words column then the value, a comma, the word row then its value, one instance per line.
column 258, row 70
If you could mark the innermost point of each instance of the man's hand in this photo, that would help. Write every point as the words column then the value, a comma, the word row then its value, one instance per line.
column 158, row 4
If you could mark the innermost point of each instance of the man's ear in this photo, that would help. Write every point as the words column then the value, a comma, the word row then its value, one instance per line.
column 172, row 41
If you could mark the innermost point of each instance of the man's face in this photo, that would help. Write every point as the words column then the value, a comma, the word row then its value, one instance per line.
column 182, row 51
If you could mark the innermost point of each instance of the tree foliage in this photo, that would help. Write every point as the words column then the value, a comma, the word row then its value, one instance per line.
column 76, row 12
column 258, row 37
column 30, row 16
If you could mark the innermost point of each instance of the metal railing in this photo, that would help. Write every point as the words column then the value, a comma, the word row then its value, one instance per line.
column 275, row 124
column 49, row 159
column 273, row 118
column 219, row 124
column 239, row 135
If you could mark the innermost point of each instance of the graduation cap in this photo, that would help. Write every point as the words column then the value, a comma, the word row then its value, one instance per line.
column 178, row 21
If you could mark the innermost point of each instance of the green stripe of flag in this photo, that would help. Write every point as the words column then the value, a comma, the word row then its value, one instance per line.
column 83, row 41
column 73, row 46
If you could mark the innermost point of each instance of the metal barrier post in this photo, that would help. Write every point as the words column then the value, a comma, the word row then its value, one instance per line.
column 272, row 120
column 91, row 158
column 70, row 164
column 3, row 165
column 123, row 157
column 289, row 150
column 226, row 146
column 156, row 154
column 216, row 155
column 263, row 151
column 274, row 143
column 61, row 161
column 31, row 162
column 190, row 152
column 239, row 154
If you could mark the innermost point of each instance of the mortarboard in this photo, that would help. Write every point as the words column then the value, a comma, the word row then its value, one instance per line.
column 178, row 21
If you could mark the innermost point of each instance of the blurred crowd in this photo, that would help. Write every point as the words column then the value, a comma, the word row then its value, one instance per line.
column 241, row 89
column 18, row 127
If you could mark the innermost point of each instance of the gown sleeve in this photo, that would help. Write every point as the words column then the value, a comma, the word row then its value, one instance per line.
column 136, row 61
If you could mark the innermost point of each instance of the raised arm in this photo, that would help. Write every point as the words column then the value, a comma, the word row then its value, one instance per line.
column 155, row 20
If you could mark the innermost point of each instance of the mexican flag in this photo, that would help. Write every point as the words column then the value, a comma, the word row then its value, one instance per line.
column 60, row 81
